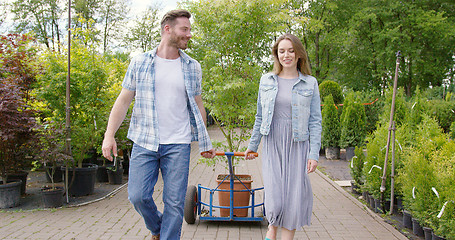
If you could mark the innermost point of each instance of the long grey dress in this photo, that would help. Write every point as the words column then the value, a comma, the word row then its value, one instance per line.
column 288, row 194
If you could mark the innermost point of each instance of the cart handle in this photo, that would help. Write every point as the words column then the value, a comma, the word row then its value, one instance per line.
column 240, row 154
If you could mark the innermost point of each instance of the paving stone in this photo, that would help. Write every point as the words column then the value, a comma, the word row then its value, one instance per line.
column 336, row 214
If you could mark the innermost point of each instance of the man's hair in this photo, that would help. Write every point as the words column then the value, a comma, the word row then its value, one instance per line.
column 170, row 17
column 302, row 63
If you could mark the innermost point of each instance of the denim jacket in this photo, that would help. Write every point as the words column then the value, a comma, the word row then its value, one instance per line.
column 306, row 112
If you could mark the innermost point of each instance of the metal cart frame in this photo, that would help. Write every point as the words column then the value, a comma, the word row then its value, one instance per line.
column 194, row 205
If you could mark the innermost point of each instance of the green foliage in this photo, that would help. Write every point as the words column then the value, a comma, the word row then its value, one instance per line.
column 145, row 33
column 231, row 46
column 328, row 87
column 428, row 166
column 356, row 166
column 331, row 126
column 401, row 108
column 94, row 85
column 376, row 151
column 443, row 111
column 423, row 32
column 417, row 109
column 373, row 110
column 353, row 118
column 452, row 131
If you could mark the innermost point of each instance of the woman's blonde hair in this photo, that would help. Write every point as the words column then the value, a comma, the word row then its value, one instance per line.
column 302, row 63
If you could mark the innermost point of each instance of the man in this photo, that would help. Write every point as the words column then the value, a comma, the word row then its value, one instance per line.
column 168, row 114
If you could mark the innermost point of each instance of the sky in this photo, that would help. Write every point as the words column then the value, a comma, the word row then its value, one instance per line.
column 137, row 6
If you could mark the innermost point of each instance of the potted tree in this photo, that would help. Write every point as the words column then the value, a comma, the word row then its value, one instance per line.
column 17, row 73
column 352, row 125
column 15, row 123
column 330, row 129
column 235, row 122
column 51, row 153
column 91, row 92
column 356, row 166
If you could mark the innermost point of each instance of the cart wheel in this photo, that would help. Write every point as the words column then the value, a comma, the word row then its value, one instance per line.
column 190, row 204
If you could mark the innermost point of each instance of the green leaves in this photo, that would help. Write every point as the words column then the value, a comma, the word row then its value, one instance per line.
column 331, row 125
column 94, row 87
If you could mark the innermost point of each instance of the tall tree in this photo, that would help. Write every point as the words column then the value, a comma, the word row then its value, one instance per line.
column 113, row 15
column 41, row 17
column 424, row 35
column 145, row 32
column 86, row 10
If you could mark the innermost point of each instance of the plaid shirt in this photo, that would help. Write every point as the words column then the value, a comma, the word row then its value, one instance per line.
column 140, row 77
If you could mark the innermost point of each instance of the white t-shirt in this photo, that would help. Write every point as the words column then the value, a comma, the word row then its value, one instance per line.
column 171, row 102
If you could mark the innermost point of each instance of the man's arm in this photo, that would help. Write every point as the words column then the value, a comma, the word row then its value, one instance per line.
column 201, row 107
column 116, row 118
column 210, row 153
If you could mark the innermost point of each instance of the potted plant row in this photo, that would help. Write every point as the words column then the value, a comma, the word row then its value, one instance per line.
column 17, row 123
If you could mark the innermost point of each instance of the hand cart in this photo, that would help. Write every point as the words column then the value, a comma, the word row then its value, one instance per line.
column 195, row 207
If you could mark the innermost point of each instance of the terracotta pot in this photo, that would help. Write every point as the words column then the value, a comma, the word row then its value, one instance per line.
column 241, row 199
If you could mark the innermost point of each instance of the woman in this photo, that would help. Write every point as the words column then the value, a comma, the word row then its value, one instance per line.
column 289, row 117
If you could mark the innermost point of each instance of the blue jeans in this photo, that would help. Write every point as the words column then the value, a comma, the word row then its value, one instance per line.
column 173, row 160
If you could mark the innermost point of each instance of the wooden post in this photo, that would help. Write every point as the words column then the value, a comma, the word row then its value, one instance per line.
column 68, row 107
column 392, row 110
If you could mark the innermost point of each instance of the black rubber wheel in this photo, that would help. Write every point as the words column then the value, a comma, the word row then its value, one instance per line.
column 190, row 209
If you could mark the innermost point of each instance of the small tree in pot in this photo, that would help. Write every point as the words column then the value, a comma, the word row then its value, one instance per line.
column 50, row 153
column 52, row 149
column 352, row 125
column 330, row 129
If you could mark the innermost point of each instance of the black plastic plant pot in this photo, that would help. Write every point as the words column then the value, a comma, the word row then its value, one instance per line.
column 52, row 197
column 84, row 180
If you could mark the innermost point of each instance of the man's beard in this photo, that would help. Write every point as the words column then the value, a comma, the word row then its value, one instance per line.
column 178, row 42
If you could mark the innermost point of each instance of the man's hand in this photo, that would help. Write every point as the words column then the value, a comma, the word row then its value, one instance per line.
column 109, row 146
column 312, row 164
column 209, row 154
column 248, row 155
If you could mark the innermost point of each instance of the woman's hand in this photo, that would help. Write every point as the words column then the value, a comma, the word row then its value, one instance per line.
column 248, row 155
column 312, row 165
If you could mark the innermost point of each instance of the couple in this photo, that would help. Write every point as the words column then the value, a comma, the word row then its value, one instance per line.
column 162, row 80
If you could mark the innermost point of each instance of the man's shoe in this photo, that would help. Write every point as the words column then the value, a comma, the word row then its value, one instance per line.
column 156, row 237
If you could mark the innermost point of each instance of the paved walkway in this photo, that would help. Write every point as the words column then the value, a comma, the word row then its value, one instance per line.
column 336, row 215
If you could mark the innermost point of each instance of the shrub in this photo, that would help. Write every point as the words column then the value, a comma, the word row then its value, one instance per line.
column 356, row 166
column 330, row 123
column 419, row 174
column 372, row 111
column 401, row 108
column 17, row 73
column 443, row 111
column 352, row 123
column 376, row 150
column 328, row 87
column 452, row 131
